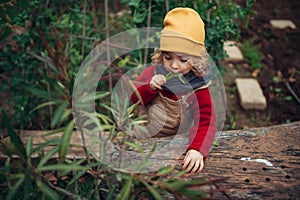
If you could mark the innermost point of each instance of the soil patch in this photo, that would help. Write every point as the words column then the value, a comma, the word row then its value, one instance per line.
column 280, row 75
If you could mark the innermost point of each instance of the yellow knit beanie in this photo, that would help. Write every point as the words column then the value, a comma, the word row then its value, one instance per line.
column 183, row 32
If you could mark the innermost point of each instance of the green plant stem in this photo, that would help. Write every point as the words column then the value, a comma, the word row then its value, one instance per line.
column 292, row 92
column 107, row 39
column 83, row 27
column 148, row 29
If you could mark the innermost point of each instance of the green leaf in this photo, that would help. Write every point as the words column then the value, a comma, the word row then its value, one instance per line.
column 38, row 92
column 47, row 191
column 153, row 147
column 104, row 118
column 278, row 90
column 65, row 115
column 61, row 167
column 14, row 189
column 180, row 173
column 216, row 144
column 101, row 95
column 29, row 149
column 48, row 143
column 45, row 59
column 76, row 177
column 13, row 136
column 65, row 141
column 179, row 76
column 43, row 105
column 111, row 193
column 165, row 170
column 172, row 75
column 177, row 184
column 53, row 132
column 58, row 114
column 198, row 181
column 153, row 192
column 192, row 194
column 125, row 192
column 123, row 63
column 92, row 118
column 288, row 98
column 46, row 157
column 83, row 167
column 135, row 145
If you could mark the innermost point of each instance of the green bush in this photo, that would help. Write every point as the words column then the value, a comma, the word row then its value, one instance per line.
column 32, row 172
column 220, row 17
column 43, row 46
column 41, row 37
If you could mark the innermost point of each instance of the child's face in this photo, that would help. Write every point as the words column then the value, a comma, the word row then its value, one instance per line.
column 176, row 62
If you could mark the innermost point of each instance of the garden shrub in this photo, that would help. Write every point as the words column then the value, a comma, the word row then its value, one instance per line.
column 43, row 45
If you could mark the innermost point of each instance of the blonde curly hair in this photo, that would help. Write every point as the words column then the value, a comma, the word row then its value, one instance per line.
column 200, row 65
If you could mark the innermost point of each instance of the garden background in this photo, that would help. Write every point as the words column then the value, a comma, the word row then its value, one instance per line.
column 43, row 44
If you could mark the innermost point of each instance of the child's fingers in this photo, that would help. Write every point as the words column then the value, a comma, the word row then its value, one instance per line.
column 186, row 162
column 160, row 79
column 201, row 166
column 195, row 167
column 158, row 86
column 154, row 85
column 164, row 79
column 157, row 81
column 190, row 166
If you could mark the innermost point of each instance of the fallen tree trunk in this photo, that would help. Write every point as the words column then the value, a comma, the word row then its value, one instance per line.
column 259, row 163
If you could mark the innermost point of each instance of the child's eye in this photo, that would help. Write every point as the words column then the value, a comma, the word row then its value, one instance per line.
column 183, row 60
column 167, row 57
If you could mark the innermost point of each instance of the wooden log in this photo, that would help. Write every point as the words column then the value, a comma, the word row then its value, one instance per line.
column 260, row 163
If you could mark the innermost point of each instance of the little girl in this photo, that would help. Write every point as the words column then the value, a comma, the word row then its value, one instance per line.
column 174, row 89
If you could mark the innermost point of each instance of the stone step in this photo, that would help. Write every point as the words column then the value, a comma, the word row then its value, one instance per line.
column 282, row 24
column 233, row 52
column 251, row 94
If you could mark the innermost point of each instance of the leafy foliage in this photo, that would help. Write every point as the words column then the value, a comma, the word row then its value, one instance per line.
column 220, row 17
column 45, row 43
column 31, row 172
column 252, row 54
column 43, row 46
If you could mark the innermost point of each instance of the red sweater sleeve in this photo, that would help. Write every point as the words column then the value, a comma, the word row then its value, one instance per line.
column 142, row 85
column 204, row 129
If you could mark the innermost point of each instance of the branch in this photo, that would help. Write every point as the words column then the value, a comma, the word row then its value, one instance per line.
column 292, row 92
column 147, row 35
column 107, row 38
column 83, row 28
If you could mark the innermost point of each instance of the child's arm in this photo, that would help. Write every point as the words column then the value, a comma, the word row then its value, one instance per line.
column 142, row 84
column 202, row 133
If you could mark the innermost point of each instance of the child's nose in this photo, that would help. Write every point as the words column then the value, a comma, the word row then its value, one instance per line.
column 175, row 65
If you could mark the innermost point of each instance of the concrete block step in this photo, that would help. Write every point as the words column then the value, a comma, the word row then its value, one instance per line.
column 233, row 52
column 282, row 24
column 251, row 94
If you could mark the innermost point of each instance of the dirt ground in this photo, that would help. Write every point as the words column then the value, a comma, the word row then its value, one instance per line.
column 281, row 67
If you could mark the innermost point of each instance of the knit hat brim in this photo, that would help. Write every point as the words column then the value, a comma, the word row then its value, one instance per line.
column 172, row 41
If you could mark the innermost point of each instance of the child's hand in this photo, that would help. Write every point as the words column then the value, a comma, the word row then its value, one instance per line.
column 193, row 161
column 157, row 81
